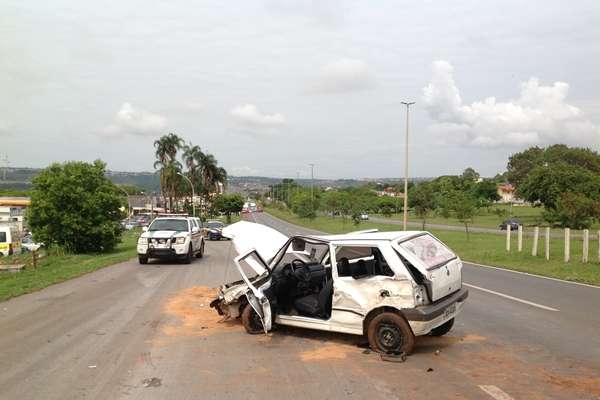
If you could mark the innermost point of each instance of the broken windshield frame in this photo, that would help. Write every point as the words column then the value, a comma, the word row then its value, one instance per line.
column 281, row 253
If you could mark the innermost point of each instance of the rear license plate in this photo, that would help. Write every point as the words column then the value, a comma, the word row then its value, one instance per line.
column 450, row 310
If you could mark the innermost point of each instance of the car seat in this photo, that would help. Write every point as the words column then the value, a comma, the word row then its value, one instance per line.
column 316, row 304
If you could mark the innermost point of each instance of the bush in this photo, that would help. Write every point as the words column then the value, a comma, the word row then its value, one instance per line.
column 74, row 206
column 304, row 206
column 228, row 203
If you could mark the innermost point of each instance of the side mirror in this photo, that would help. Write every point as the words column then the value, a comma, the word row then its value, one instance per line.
column 144, row 229
column 195, row 230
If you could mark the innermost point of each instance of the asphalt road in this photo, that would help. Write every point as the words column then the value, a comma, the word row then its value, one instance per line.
column 146, row 332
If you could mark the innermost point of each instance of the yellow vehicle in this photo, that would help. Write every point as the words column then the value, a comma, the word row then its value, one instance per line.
column 10, row 242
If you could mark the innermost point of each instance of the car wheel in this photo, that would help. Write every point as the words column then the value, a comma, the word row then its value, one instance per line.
column 388, row 333
column 443, row 329
column 200, row 254
column 143, row 259
column 188, row 256
column 251, row 320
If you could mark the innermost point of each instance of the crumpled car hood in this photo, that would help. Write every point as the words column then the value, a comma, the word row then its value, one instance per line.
column 249, row 235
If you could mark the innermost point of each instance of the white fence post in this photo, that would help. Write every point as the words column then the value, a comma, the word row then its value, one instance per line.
column 547, row 243
column 586, row 245
column 520, row 239
column 536, row 235
column 507, row 237
column 567, row 244
column 598, row 245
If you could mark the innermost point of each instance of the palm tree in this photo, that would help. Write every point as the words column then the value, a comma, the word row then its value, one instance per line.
column 166, row 162
column 192, row 156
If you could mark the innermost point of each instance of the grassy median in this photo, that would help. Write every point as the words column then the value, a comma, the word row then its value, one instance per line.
column 54, row 267
column 485, row 248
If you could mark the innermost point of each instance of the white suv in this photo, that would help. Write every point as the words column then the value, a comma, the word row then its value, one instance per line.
column 171, row 237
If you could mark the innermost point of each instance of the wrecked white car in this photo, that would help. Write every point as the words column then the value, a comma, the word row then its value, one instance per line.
column 388, row 286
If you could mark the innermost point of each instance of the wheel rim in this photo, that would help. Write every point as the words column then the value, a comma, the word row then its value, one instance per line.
column 389, row 336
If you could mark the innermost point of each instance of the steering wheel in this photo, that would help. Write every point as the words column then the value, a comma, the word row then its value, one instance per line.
column 299, row 264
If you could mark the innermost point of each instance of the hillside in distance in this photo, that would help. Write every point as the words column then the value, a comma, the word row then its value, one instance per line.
column 20, row 179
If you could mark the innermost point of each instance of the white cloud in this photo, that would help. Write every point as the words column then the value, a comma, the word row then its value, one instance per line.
column 194, row 106
column 135, row 121
column 540, row 115
column 243, row 171
column 250, row 116
column 345, row 75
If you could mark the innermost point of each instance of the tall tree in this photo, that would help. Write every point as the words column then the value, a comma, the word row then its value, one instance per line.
column 75, row 206
column 169, row 167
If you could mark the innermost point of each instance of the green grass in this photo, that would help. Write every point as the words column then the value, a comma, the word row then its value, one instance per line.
column 486, row 218
column 485, row 248
column 54, row 268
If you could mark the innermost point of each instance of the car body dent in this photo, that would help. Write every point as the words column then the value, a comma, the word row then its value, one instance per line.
column 353, row 299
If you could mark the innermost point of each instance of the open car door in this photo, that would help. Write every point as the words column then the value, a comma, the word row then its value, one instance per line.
column 257, row 284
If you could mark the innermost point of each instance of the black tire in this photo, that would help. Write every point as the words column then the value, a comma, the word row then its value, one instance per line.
column 188, row 256
column 251, row 320
column 443, row 329
column 143, row 259
column 389, row 333
column 200, row 254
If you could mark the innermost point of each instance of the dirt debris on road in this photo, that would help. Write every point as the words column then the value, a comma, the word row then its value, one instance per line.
column 193, row 315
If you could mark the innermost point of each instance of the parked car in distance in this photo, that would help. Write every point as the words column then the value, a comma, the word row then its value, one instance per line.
column 9, row 241
column 143, row 220
column 214, row 230
column 169, row 238
column 388, row 286
column 364, row 217
column 28, row 245
column 131, row 224
column 514, row 224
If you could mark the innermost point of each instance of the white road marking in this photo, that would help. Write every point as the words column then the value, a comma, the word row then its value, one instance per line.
column 495, row 392
column 528, row 274
column 543, row 307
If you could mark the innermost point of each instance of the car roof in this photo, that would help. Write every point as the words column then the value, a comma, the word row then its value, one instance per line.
column 387, row 236
column 180, row 218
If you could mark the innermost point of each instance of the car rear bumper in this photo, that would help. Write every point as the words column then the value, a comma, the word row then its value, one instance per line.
column 424, row 318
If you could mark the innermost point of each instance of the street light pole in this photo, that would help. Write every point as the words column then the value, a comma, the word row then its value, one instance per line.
column 193, row 194
column 405, row 210
column 128, row 202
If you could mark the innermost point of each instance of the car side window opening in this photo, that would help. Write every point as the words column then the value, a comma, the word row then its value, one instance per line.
column 361, row 262
column 2, row 237
column 302, row 283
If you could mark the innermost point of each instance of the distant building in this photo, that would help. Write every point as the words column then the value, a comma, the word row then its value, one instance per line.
column 388, row 191
column 506, row 191
column 12, row 211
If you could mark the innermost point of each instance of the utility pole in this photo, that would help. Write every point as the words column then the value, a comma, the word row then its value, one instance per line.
column 5, row 164
column 312, row 182
column 405, row 210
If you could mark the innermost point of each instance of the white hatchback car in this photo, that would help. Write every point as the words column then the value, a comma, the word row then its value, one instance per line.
column 389, row 286
column 171, row 237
